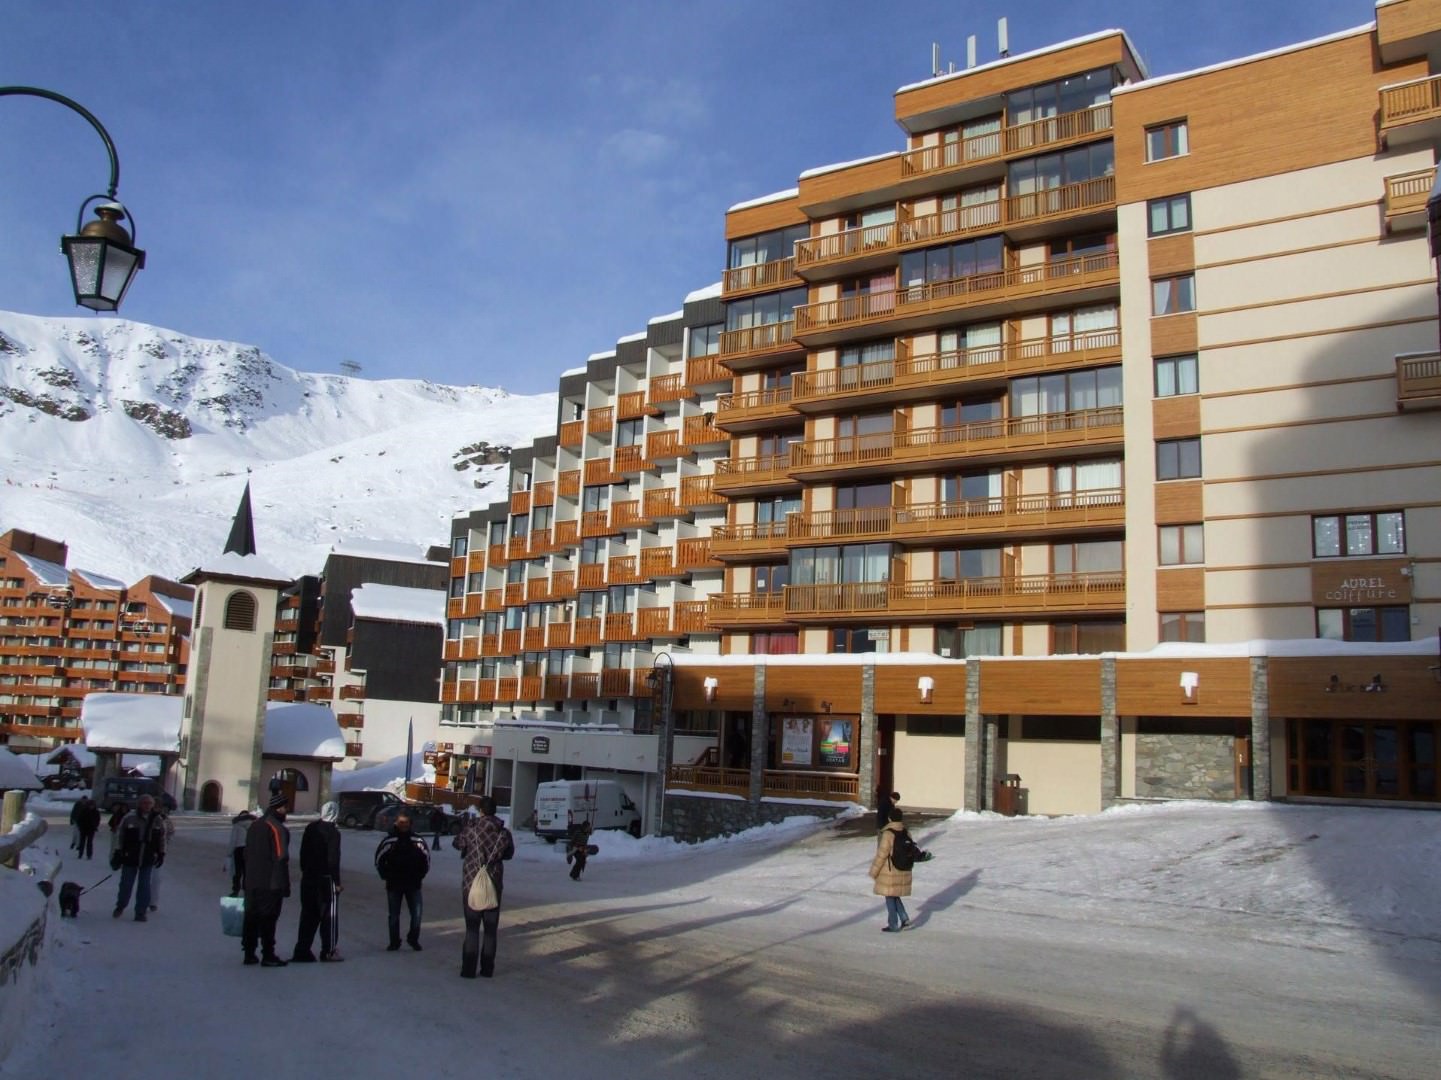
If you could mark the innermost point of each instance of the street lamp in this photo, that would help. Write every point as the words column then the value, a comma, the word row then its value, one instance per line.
column 103, row 257
column 661, row 680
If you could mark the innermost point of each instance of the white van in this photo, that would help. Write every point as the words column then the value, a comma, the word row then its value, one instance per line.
column 559, row 804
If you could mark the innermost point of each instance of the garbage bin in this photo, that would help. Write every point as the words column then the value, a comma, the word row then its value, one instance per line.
column 1007, row 799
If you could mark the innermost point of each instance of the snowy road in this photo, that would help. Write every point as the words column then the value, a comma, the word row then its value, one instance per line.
column 763, row 960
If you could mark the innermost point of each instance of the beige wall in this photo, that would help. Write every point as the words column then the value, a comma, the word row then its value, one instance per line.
column 930, row 770
column 1058, row 777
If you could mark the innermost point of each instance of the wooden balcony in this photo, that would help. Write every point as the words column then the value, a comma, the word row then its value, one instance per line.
column 571, row 434
column 632, row 406
column 626, row 514
column 590, row 576
column 1018, row 438
column 664, row 444
column 567, row 534
column 775, row 783
column 585, row 684
column 1067, row 512
column 1411, row 111
column 1406, row 195
column 622, row 682
column 742, row 609
column 778, row 274
column 518, row 547
column 739, row 476
column 620, row 626
column 558, row 635
column 489, row 644
column 595, row 523
column 533, row 639
column 653, row 622
column 658, row 562
column 540, row 542
column 1079, row 594
column 510, row 642
column 462, row 649
column 860, row 249
column 660, row 503
column 543, row 493
column 599, row 422
column 623, row 570
column 587, row 631
column 753, row 409
column 1019, row 289
column 353, row 692
column 514, row 593
column 494, row 599
column 908, row 378
column 557, row 687
column 562, row 584
column 600, row 471
column 520, row 502
column 705, row 371
column 694, row 553
column 629, row 460
column 699, row 491
column 700, row 431
column 485, row 689
column 1048, row 133
column 665, row 388
column 1418, row 382
column 458, row 607
column 475, row 562
column 749, row 541
column 756, row 346
column 567, row 484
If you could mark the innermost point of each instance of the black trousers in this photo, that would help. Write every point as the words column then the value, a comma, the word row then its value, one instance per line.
column 315, row 897
column 474, row 947
column 262, row 912
column 237, row 872
column 87, row 844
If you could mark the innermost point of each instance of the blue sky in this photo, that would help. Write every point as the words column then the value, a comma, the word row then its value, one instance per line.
column 478, row 193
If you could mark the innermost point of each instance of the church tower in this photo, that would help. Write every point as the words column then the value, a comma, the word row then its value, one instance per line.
column 222, row 727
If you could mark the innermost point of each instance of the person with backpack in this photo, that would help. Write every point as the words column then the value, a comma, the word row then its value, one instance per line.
column 891, row 872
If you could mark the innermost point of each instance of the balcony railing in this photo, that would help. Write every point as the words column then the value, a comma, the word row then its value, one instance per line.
column 620, row 626
column 558, row 635
column 629, row 459
column 735, row 474
column 1006, row 514
column 567, row 533
column 588, row 631
column 700, row 431
column 623, row 570
column 568, row 484
column 657, row 562
column 1017, row 435
column 754, row 405
column 1418, row 382
column 520, row 502
column 911, row 231
column 1018, row 139
column 931, row 370
column 661, row 503
column 699, row 491
column 745, row 608
column 626, row 514
column 705, row 371
column 693, row 553
column 1410, row 102
column 1081, row 271
column 768, row 337
column 599, row 421
column 562, row 584
column 595, row 523
column 759, row 538
column 667, row 388
column 1079, row 592
column 664, row 444
column 591, row 576
column 1406, row 197
column 631, row 406
column 544, row 493
column 571, row 434
column 770, row 275
column 601, row 471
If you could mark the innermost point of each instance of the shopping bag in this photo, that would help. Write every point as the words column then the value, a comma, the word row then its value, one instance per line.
column 232, row 916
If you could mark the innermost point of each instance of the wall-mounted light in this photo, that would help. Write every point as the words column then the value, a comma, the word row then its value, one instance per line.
column 1332, row 684
column 787, row 703
column 1375, row 686
column 711, row 684
column 925, row 684
column 826, row 705
column 1190, row 680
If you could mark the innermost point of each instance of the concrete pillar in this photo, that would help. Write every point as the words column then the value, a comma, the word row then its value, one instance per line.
column 11, row 814
column 975, row 740
column 1110, row 735
column 760, row 733
column 1260, row 729
column 866, row 747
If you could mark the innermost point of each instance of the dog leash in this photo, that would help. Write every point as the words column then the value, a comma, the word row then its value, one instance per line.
column 99, row 883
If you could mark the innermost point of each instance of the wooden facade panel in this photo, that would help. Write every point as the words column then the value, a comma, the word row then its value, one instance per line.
column 1406, row 19
column 1153, row 687
column 1301, row 688
column 1181, row 589
column 1297, row 110
column 806, row 687
column 1172, row 335
column 735, row 688
column 1176, row 417
column 1054, row 688
column 854, row 180
column 1179, row 502
column 996, row 79
column 1166, row 255
column 763, row 218
column 896, row 690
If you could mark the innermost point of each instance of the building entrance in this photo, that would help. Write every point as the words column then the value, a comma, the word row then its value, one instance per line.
column 1363, row 759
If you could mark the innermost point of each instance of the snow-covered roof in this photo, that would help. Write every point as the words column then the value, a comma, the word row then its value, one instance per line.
column 1283, row 50
column 666, row 318
column 821, row 170
column 181, row 609
column 1000, row 61
column 45, row 571
column 572, row 371
column 245, row 567
column 601, row 355
column 394, row 551
column 710, row 292
column 630, row 337
column 775, row 196
column 79, row 752
column 803, row 660
column 16, row 774
column 397, row 603
column 302, row 729
column 98, row 581
column 141, row 723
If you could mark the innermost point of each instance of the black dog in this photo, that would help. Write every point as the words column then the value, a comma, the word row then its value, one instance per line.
column 70, row 899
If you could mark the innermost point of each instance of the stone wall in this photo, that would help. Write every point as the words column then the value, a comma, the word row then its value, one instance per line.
column 693, row 818
column 1186, row 766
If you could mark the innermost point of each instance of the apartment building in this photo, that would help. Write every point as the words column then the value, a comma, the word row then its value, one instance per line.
column 1097, row 368
column 66, row 632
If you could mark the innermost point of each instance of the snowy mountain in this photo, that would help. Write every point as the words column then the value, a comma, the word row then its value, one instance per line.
column 133, row 444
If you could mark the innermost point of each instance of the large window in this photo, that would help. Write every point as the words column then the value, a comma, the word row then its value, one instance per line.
column 1180, row 544
column 1170, row 214
column 766, row 247
column 764, row 310
column 1087, row 557
column 1041, row 395
column 855, row 639
column 1081, row 483
column 1173, row 295
column 1391, row 623
column 1178, row 459
column 1049, row 171
column 1359, row 534
column 704, row 340
column 1183, row 626
column 1087, row 638
column 775, row 642
column 968, row 563
column 982, row 639
column 1071, row 94
column 1176, row 375
column 983, row 256
column 1168, row 140
column 841, row 563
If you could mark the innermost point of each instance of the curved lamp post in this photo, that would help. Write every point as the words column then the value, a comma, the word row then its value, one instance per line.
column 103, row 257
column 661, row 680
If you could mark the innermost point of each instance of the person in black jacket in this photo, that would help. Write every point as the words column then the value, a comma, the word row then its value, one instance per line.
column 484, row 844
column 403, row 860
column 319, row 884
column 87, row 821
column 267, row 881
column 139, row 849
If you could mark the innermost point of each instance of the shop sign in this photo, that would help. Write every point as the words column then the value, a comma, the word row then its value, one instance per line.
column 540, row 744
column 796, row 740
column 835, row 742
column 1358, row 582
column 477, row 750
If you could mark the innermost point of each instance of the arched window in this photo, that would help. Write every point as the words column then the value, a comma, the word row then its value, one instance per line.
column 210, row 796
column 295, row 778
column 240, row 611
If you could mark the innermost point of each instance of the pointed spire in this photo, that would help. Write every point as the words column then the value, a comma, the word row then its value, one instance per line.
column 242, row 530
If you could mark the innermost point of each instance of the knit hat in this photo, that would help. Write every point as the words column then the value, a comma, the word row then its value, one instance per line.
column 278, row 801
column 329, row 812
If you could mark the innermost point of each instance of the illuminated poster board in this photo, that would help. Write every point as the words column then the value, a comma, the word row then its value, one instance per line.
column 835, row 742
column 796, row 740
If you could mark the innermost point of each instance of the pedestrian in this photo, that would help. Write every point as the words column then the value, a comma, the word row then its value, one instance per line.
column 138, row 849
column 155, row 875
column 484, row 844
column 403, row 860
column 319, row 885
column 117, row 815
column 885, row 803
column 239, row 826
column 267, row 881
column 437, row 825
column 88, row 822
column 889, row 881
column 577, row 848
column 75, row 823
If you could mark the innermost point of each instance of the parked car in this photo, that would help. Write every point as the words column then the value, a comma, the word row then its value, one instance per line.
column 358, row 808
column 64, row 780
column 128, row 789
column 419, row 818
